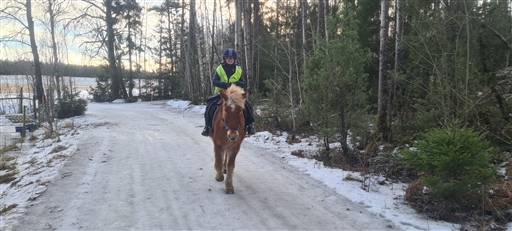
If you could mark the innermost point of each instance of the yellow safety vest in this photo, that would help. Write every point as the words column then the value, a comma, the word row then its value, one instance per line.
column 224, row 78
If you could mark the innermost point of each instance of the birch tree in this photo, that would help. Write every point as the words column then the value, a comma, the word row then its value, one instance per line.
column 382, row 120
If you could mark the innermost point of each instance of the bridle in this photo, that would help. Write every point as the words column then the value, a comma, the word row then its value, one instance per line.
column 225, row 125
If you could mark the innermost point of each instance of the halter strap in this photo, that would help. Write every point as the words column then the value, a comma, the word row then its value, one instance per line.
column 225, row 125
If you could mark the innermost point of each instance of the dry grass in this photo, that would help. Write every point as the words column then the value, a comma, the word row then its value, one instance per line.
column 501, row 198
column 8, row 148
column 414, row 191
column 58, row 148
column 32, row 138
column 69, row 124
column 8, row 208
column 5, row 164
column 8, row 177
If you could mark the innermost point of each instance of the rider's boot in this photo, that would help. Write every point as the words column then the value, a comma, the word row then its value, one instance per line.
column 250, row 129
column 206, row 131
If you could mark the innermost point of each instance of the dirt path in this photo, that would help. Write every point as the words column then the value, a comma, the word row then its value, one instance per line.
column 146, row 166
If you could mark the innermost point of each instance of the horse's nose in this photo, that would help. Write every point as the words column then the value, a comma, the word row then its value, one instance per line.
column 232, row 137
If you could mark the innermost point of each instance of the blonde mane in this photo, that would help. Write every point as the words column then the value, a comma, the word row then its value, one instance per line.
column 235, row 96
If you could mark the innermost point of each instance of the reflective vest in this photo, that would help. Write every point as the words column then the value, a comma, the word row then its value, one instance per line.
column 224, row 78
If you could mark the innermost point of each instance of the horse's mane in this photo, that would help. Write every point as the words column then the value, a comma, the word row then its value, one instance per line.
column 235, row 96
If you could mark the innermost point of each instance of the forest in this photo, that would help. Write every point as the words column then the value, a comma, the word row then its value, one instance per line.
column 418, row 90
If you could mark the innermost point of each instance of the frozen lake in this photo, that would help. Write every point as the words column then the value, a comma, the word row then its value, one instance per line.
column 12, row 85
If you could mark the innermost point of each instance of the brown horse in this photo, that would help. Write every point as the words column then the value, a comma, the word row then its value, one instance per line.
column 228, row 133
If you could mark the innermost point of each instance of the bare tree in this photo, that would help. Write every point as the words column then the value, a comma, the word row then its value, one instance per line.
column 213, row 47
column 304, row 17
column 238, row 27
column 382, row 120
column 202, row 37
column 183, row 65
column 35, row 54
column 398, row 37
column 52, row 8
column 255, row 48
column 13, row 11
column 248, row 43
column 398, row 57
column 191, row 55
column 108, row 40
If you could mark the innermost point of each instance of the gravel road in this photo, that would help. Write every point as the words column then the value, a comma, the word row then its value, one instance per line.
column 145, row 166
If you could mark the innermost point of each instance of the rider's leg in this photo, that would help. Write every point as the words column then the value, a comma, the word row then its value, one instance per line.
column 207, row 120
column 211, row 106
column 249, row 119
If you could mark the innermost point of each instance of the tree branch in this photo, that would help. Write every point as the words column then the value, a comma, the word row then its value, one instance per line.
column 500, row 37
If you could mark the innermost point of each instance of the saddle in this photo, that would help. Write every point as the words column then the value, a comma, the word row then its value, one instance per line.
column 213, row 104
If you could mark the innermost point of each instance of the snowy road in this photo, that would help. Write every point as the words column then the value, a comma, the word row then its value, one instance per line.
column 146, row 166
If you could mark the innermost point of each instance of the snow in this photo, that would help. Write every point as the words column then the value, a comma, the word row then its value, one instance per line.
column 386, row 201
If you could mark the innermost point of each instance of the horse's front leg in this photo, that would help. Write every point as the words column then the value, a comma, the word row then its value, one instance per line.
column 231, row 156
column 219, row 154
column 225, row 162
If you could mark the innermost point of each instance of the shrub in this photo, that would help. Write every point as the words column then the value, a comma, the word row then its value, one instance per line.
column 70, row 106
column 101, row 92
column 453, row 162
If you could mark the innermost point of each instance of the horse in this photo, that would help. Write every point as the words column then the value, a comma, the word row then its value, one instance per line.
column 228, row 133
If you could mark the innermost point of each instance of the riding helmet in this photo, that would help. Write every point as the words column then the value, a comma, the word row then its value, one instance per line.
column 230, row 53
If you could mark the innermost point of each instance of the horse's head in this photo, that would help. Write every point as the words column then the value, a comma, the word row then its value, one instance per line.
column 232, row 115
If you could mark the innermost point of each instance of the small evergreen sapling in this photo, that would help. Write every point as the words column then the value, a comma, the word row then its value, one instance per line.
column 454, row 161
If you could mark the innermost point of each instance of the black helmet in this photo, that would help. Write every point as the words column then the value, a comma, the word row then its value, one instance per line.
column 230, row 53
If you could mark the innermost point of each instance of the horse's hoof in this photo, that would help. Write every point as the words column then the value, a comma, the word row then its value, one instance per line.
column 219, row 178
column 230, row 191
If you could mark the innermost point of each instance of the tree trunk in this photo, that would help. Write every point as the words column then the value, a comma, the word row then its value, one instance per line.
column 398, row 60
column 398, row 37
column 326, row 28
column 290, row 83
column 321, row 19
column 130, row 84
column 382, row 119
column 248, row 44
column 35, row 54
column 55, row 74
column 256, row 38
column 183, row 62
column 191, row 54
column 200, row 75
column 55, row 70
column 114, row 87
column 212, row 55
column 238, row 27
column 304, row 16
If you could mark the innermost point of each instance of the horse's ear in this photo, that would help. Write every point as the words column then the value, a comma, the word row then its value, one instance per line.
column 245, row 95
column 223, row 95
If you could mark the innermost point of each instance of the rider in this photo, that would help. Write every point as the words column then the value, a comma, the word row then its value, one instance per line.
column 227, row 73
